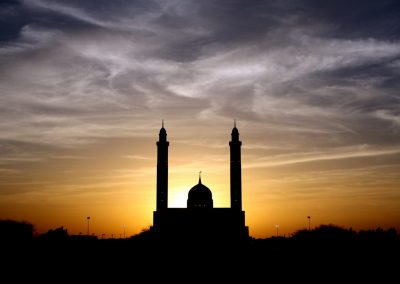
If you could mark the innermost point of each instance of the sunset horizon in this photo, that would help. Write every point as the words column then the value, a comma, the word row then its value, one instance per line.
column 312, row 88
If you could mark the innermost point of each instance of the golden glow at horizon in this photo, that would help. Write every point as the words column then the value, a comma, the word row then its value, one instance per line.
column 114, row 183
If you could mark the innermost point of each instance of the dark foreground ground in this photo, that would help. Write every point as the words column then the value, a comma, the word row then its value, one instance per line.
column 256, row 261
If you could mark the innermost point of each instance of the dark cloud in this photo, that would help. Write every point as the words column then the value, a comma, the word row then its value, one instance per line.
column 286, row 62
column 108, row 10
column 12, row 19
column 356, row 18
column 224, row 21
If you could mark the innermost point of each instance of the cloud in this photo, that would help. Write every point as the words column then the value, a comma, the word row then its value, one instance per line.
column 79, row 73
column 350, row 152
column 138, row 157
column 387, row 115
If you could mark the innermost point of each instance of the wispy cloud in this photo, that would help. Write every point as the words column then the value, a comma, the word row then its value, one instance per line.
column 138, row 157
column 387, row 115
column 64, row 9
column 358, row 151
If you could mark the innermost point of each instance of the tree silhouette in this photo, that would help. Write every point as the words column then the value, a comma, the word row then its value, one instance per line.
column 11, row 230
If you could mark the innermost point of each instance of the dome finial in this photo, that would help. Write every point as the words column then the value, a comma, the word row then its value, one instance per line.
column 234, row 123
column 162, row 123
column 200, row 177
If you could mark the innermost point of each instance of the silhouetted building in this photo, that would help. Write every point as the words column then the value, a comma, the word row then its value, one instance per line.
column 200, row 196
column 200, row 220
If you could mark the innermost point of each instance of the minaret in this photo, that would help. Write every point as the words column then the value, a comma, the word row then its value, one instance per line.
column 236, row 170
column 162, row 169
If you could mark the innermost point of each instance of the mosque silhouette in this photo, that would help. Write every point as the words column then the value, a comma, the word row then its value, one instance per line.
column 200, row 220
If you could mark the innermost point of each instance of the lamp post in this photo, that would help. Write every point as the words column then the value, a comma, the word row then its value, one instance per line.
column 277, row 228
column 88, row 219
column 309, row 223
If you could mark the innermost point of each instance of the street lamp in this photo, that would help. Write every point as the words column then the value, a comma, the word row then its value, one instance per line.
column 277, row 228
column 309, row 221
column 88, row 218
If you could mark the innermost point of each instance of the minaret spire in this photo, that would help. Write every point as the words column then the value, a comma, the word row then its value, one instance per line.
column 236, row 169
column 234, row 123
column 200, row 177
column 162, row 123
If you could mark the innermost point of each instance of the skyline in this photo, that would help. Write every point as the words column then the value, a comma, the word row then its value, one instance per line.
column 313, row 87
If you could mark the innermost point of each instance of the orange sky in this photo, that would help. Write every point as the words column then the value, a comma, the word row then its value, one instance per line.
column 113, row 182
column 84, row 86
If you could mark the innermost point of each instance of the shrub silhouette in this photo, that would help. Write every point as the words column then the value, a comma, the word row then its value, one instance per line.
column 326, row 233
column 56, row 234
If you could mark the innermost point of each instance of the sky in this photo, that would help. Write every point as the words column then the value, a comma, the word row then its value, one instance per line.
column 314, row 87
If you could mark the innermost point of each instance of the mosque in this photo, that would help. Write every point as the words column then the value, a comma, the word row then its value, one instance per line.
column 200, row 220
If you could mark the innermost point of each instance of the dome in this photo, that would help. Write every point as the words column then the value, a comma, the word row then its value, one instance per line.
column 163, row 131
column 200, row 196
column 200, row 191
column 163, row 135
column 235, row 134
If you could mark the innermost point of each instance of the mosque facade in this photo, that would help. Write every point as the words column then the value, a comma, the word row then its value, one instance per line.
column 200, row 220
